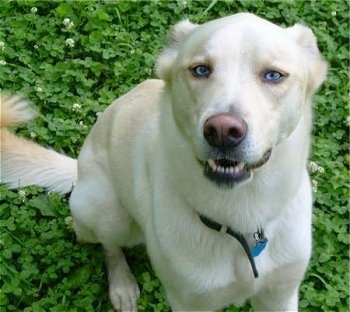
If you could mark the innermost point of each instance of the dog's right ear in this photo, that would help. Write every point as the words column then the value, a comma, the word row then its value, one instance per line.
column 177, row 34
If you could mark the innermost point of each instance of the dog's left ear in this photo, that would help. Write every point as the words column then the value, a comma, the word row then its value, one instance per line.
column 177, row 34
column 317, row 65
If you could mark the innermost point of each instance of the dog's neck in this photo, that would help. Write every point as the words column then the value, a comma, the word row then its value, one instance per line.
column 257, row 248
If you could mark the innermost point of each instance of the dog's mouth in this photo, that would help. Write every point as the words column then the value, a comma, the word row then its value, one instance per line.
column 227, row 173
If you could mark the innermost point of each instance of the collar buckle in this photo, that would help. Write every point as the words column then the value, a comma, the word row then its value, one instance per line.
column 259, row 236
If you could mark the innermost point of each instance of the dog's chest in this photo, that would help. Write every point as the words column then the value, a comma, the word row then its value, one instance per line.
column 205, row 268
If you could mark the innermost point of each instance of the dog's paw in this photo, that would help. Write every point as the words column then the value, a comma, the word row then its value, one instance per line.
column 124, row 295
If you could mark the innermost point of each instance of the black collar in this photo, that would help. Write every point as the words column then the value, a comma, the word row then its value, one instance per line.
column 259, row 246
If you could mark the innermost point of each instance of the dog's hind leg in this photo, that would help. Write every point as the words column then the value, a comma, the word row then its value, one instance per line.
column 99, row 217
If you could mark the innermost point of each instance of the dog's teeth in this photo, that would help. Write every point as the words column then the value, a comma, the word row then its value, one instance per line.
column 235, row 169
column 212, row 165
column 240, row 165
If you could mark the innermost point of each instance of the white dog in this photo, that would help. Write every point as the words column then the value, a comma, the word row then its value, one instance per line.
column 207, row 166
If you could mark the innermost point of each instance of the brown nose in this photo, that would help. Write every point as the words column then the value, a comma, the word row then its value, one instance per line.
column 224, row 131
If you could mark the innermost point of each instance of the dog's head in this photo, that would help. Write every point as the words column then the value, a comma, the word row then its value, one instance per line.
column 239, row 86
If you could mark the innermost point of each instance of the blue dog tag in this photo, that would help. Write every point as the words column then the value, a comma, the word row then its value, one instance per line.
column 258, row 247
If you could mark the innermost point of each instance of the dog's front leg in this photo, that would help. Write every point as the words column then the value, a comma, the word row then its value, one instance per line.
column 279, row 299
column 123, row 289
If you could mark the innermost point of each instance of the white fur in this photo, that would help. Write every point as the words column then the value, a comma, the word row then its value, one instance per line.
column 139, row 178
column 24, row 163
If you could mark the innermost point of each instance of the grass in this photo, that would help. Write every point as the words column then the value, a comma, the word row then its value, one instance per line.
column 73, row 59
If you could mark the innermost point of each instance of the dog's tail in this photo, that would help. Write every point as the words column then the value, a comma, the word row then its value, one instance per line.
column 26, row 163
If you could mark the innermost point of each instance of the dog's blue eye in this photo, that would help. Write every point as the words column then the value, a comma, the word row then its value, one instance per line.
column 201, row 71
column 273, row 76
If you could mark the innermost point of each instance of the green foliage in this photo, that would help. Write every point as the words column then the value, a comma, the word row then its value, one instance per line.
column 42, row 267
column 72, row 69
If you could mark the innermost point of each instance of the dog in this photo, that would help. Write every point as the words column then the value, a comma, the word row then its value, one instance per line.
column 205, row 165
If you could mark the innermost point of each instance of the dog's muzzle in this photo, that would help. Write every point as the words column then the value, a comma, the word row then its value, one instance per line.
column 225, row 133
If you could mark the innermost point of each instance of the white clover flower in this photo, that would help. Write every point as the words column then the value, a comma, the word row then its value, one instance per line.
column 334, row 13
column 3, row 62
column 32, row 135
column 34, row 10
column 76, row 107
column 314, row 185
column 39, row 89
column 315, row 168
column 68, row 23
column 70, row 42
column 320, row 169
column 312, row 166
column 81, row 124
column 2, row 46
column 35, row 46
column 22, row 195
column 69, row 222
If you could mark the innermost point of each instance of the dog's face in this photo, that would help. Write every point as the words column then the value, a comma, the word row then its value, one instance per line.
column 238, row 87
